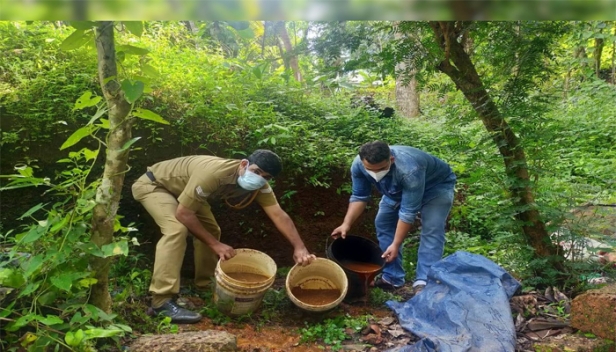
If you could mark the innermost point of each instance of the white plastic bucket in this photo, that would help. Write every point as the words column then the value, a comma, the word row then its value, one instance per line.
column 236, row 297
column 320, row 274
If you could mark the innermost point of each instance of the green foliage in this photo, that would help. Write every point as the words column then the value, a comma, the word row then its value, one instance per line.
column 282, row 272
column 223, row 93
column 210, row 310
column 332, row 331
column 275, row 304
column 129, row 279
column 558, row 309
column 36, row 67
column 46, row 266
column 165, row 327
column 378, row 297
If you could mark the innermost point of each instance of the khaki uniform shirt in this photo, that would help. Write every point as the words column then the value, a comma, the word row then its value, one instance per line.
column 197, row 179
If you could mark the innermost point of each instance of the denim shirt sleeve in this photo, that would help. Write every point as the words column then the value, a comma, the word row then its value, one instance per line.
column 362, row 187
column 412, row 195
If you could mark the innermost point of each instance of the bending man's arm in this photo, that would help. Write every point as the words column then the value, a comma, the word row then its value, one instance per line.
column 353, row 212
column 392, row 251
column 189, row 219
column 412, row 195
column 284, row 224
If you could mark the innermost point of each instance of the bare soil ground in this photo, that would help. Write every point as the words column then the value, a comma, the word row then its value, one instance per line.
column 540, row 318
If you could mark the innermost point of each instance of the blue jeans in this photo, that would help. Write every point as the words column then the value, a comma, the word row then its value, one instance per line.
column 432, row 239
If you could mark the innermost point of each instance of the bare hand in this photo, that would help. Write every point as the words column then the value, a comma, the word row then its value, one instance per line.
column 303, row 257
column 391, row 253
column 223, row 251
column 340, row 231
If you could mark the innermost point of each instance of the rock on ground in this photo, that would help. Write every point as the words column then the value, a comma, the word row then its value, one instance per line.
column 199, row 341
column 595, row 311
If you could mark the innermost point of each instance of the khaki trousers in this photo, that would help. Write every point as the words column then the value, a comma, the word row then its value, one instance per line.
column 170, row 249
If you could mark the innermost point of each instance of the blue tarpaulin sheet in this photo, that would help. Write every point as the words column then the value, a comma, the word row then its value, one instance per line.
column 464, row 307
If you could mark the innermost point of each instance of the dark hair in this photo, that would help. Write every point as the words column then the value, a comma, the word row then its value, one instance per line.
column 267, row 160
column 374, row 152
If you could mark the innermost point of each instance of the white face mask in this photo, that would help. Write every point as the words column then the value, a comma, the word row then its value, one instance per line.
column 250, row 181
column 379, row 175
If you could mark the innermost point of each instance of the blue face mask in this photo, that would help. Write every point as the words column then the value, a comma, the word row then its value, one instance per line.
column 251, row 181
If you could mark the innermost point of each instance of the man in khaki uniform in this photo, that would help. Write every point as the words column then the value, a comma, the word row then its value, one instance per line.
column 177, row 193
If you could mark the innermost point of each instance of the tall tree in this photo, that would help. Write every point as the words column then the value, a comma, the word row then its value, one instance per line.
column 456, row 63
column 514, row 61
column 598, row 52
column 110, row 189
column 289, row 56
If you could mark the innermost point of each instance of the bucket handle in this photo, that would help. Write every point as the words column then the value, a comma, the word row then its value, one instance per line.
column 327, row 243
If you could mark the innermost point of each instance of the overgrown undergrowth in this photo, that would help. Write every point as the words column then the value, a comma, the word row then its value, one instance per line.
column 231, row 106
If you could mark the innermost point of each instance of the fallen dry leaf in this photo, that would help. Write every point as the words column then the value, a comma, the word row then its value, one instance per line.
column 520, row 323
column 396, row 332
column 387, row 321
column 376, row 329
column 524, row 304
column 372, row 339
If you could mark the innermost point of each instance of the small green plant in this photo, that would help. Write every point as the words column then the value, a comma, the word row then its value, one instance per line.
column 557, row 309
column 378, row 297
column 128, row 279
column 282, row 272
column 211, row 311
column 10, row 137
column 409, row 255
column 275, row 303
column 345, row 189
column 215, row 315
column 165, row 327
column 287, row 195
column 332, row 331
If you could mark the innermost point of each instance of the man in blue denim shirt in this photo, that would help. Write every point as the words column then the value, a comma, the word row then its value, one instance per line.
column 411, row 181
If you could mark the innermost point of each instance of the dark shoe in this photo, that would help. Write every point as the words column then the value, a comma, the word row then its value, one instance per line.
column 417, row 289
column 177, row 314
column 385, row 285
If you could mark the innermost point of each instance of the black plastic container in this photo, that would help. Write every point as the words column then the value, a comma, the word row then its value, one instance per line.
column 356, row 249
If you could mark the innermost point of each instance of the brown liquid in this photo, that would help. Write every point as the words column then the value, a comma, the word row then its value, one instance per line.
column 361, row 267
column 247, row 277
column 365, row 271
column 318, row 297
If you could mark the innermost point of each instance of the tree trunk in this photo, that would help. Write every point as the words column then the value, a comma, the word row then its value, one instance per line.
column 291, row 57
column 407, row 97
column 459, row 67
column 190, row 26
column 599, row 44
column 580, row 53
column 109, row 191
column 468, row 44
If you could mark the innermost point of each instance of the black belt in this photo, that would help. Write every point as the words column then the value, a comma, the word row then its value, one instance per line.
column 150, row 175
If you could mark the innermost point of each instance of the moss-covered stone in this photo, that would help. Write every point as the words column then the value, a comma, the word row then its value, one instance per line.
column 595, row 312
